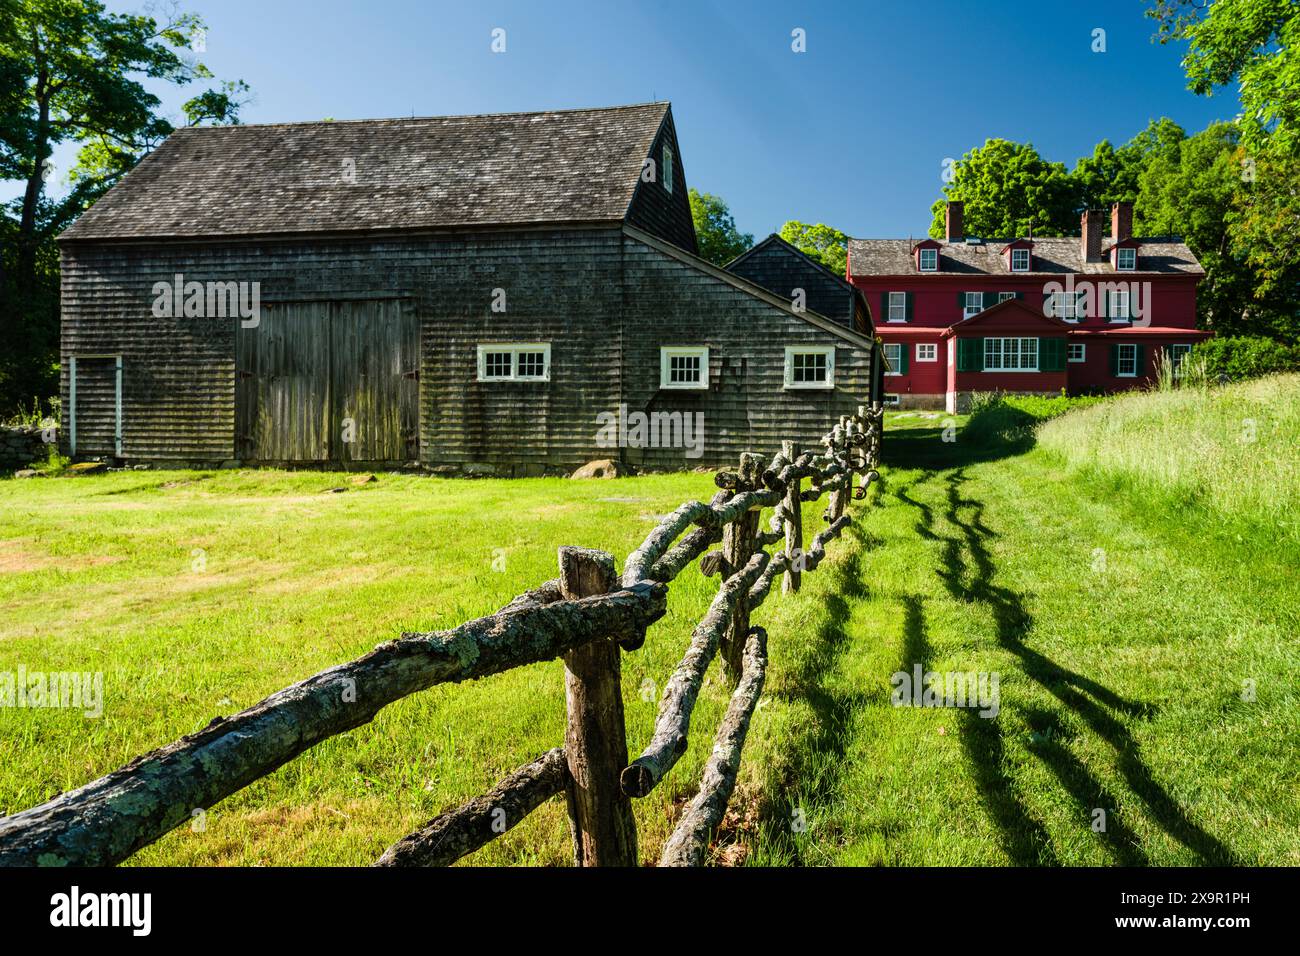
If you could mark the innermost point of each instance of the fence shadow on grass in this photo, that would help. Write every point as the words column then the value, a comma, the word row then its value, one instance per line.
column 968, row 572
column 818, row 754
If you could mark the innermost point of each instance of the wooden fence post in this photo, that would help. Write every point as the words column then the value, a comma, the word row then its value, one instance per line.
column 793, row 524
column 737, row 547
column 595, row 743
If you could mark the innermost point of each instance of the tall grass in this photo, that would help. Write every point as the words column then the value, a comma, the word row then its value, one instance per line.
column 1232, row 450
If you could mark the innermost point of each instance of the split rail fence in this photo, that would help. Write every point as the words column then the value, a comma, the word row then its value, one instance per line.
column 589, row 615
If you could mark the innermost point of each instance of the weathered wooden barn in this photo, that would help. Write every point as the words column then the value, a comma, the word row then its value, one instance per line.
column 506, row 294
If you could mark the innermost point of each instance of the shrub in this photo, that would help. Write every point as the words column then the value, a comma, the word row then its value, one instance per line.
column 1241, row 357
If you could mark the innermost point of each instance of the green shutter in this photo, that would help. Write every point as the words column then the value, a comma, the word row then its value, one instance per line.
column 1114, row 360
column 1140, row 361
column 1103, row 304
column 1051, row 355
column 990, row 299
column 1019, row 295
column 970, row 355
column 907, row 299
column 884, row 307
column 961, row 301
column 902, row 356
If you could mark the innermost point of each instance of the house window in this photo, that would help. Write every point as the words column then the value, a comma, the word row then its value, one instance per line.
column 891, row 400
column 927, row 352
column 1176, row 355
column 1076, row 351
column 685, row 366
column 894, row 356
column 1118, row 309
column 809, row 366
column 898, row 307
column 1019, row 260
column 668, row 168
column 1068, row 306
column 1126, row 259
column 530, row 362
column 1003, row 296
column 974, row 304
column 1011, row 355
column 929, row 260
column 1126, row 365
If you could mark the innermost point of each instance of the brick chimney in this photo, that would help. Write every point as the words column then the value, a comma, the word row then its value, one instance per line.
column 1121, row 221
column 1091, row 225
column 952, row 221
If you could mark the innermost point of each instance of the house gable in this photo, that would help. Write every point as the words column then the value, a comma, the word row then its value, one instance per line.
column 660, row 204
column 781, row 268
column 1010, row 317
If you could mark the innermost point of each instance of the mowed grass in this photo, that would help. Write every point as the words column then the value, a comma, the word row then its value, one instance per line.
column 199, row 593
column 1147, row 663
column 1124, row 634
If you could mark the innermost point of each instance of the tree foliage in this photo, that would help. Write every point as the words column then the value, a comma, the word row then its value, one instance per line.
column 71, row 72
column 715, row 229
column 1008, row 188
column 826, row 244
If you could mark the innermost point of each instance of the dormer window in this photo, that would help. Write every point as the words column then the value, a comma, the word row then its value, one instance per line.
column 1019, row 260
column 1126, row 259
column 929, row 260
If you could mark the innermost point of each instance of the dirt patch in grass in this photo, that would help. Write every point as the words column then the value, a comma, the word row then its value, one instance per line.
column 16, row 557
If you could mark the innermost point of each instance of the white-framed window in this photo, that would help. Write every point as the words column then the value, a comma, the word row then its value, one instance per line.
column 1126, row 260
column 684, row 366
column 974, row 304
column 1118, row 308
column 1126, row 367
column 891, row 400
column 1177, row 353
column 894, row 356
column 515, row 362
column 898, row 307
column 1019, row 260
column 1076, row 352
column 668, row 169
column 810, row 366
column 1003, row 296
column 1010, row 355
column 929, row 260
column 1067, row 306
column 927, row 352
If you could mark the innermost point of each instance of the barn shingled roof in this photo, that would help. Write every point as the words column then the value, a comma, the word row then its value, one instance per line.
column 1052, row 256
column 425, row 172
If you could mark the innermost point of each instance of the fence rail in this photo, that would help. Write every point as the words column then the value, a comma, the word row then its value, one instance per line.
column 589, row 616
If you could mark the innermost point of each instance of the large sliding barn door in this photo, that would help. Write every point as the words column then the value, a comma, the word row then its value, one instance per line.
column 329, row 381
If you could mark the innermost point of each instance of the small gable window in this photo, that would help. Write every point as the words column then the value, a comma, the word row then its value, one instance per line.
column 1019, row 260
column 668, row 168
column 929, row 260
column 1126, row 260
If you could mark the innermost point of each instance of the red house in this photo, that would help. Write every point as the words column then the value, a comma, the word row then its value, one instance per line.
column 1028, row 315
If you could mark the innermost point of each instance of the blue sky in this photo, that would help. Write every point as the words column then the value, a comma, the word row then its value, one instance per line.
column 853, row 132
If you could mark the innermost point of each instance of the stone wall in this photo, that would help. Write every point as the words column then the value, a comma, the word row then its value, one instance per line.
column 23, row 445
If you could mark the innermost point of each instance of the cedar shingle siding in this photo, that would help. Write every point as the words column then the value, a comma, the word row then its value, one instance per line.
column 374, row 317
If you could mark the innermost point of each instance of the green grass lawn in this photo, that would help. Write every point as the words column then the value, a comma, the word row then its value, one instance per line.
column 1121, row 633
